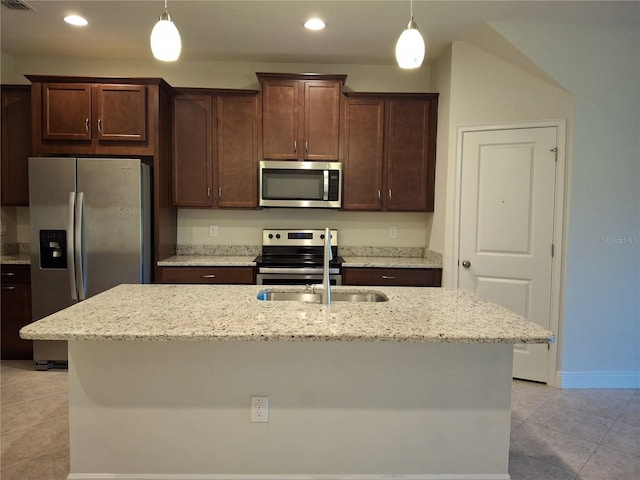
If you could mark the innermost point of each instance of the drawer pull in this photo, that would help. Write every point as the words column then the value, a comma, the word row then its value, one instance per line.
column 8, row 287
column 211, row 275
column 387, row 277
column 8, row 274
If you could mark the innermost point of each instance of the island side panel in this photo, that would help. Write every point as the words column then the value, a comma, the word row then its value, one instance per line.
column 335, row 408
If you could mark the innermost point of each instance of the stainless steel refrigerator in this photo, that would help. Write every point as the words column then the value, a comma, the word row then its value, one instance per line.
column 90, row 223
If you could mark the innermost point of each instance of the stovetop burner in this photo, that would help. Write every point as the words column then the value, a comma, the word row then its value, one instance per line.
column 296, row 249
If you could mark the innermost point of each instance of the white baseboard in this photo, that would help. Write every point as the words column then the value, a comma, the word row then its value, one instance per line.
column 176, row 476
column 598, row 379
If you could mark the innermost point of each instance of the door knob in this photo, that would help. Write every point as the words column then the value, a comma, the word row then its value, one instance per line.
column 466, row 263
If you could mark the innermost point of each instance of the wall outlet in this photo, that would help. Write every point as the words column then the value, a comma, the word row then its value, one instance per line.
column 260, row 409
column 393, row 232
column 3, row 229
column 213, row 230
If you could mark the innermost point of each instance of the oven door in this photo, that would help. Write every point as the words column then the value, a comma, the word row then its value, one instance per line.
column 295, row 279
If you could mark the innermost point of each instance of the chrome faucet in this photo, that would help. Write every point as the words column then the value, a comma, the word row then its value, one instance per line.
column 328, row 256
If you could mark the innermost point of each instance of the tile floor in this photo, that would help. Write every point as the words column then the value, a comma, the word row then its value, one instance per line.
column 555, row 434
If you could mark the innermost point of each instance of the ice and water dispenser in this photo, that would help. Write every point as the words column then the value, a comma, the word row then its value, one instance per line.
column 53, row 249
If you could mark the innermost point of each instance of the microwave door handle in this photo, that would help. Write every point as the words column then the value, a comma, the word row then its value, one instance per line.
column 325, row 174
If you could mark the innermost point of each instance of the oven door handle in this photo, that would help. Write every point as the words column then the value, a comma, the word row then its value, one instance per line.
column 297, row 271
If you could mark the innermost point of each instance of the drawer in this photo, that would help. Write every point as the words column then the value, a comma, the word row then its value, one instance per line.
column 212, row 275
column 15, row 274
column 402, row 277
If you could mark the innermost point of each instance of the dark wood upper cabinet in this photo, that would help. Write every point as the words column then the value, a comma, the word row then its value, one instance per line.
column 301, row 116
column 215, row 148
column 16, row 144
column 363, row 144
column 101, row 112
column 66, row 111
column 122, row 113
column 192, row 160
column 237, row 158
column 410, row 166
column 389, row 151
column 95, row 116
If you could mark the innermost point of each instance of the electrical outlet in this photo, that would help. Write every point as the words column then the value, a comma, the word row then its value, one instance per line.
column 260, row 409
column 3, row 230
column 213, row 230
column 393, row 232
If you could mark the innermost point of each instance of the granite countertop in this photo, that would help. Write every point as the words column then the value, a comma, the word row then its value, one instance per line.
column 390, row 262
column 208, row 261
column 16, row 259
column 233, row 313
column 248, row 261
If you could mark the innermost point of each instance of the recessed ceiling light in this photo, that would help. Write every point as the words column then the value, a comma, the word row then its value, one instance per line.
column 314, row 24
column 76, row 20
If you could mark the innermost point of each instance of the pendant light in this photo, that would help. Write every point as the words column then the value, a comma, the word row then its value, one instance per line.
column 410, row 46
column 165, row 38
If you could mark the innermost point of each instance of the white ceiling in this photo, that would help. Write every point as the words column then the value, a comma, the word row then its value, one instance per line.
column 358, row 31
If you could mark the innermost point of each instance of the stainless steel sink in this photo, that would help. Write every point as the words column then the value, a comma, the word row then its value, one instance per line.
column 311, row 297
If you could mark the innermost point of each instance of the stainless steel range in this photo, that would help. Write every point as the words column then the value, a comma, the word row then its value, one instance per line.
column 294, row 257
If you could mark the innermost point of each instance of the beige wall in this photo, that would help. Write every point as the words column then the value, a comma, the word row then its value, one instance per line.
column 483, row 90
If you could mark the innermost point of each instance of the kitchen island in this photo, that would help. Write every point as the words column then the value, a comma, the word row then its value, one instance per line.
column 161, row 376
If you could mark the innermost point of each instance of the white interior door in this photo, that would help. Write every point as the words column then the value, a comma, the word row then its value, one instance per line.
column 508, row 180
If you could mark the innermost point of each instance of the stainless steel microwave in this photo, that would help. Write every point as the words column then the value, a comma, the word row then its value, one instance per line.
column 300, row 184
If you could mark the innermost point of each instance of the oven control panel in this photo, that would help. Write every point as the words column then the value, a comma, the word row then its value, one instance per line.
column 306, row 238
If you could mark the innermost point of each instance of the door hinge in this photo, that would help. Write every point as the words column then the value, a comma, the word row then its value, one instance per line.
column 555, row 151
column 553, row 249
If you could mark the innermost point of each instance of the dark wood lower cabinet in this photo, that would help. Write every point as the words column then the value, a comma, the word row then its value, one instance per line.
column 392, row 277
column 16, row 312
column 212, row 275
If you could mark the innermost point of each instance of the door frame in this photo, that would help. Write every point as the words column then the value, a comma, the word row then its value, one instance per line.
column 559, row 224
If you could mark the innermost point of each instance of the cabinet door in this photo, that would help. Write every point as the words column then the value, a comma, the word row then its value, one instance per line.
column 362, row 160
column 321, row 120
column 398, row 277
column 66, row 111
column 280, row 122
column 214, row 275
column 192, row 160
column 408, row 155
column 237, row 159
column 16, row 312
column 16, row 144
column 121, row 113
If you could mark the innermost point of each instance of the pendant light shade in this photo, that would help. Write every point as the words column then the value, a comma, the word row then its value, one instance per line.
column 165, row 38
column 410, row 46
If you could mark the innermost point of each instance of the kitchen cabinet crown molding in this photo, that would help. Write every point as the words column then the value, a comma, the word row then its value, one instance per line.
column 106, row 80
column 212, row 91
column 301, row 76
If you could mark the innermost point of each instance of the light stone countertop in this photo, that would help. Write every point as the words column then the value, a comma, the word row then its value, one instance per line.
column 156, row 312
column 390, row 262
column 208, row 261
column 247, row 261
column 17, row 259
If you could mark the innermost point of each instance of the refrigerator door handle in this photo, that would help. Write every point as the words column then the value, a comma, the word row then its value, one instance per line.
column 79, row 250
column 70, row 249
